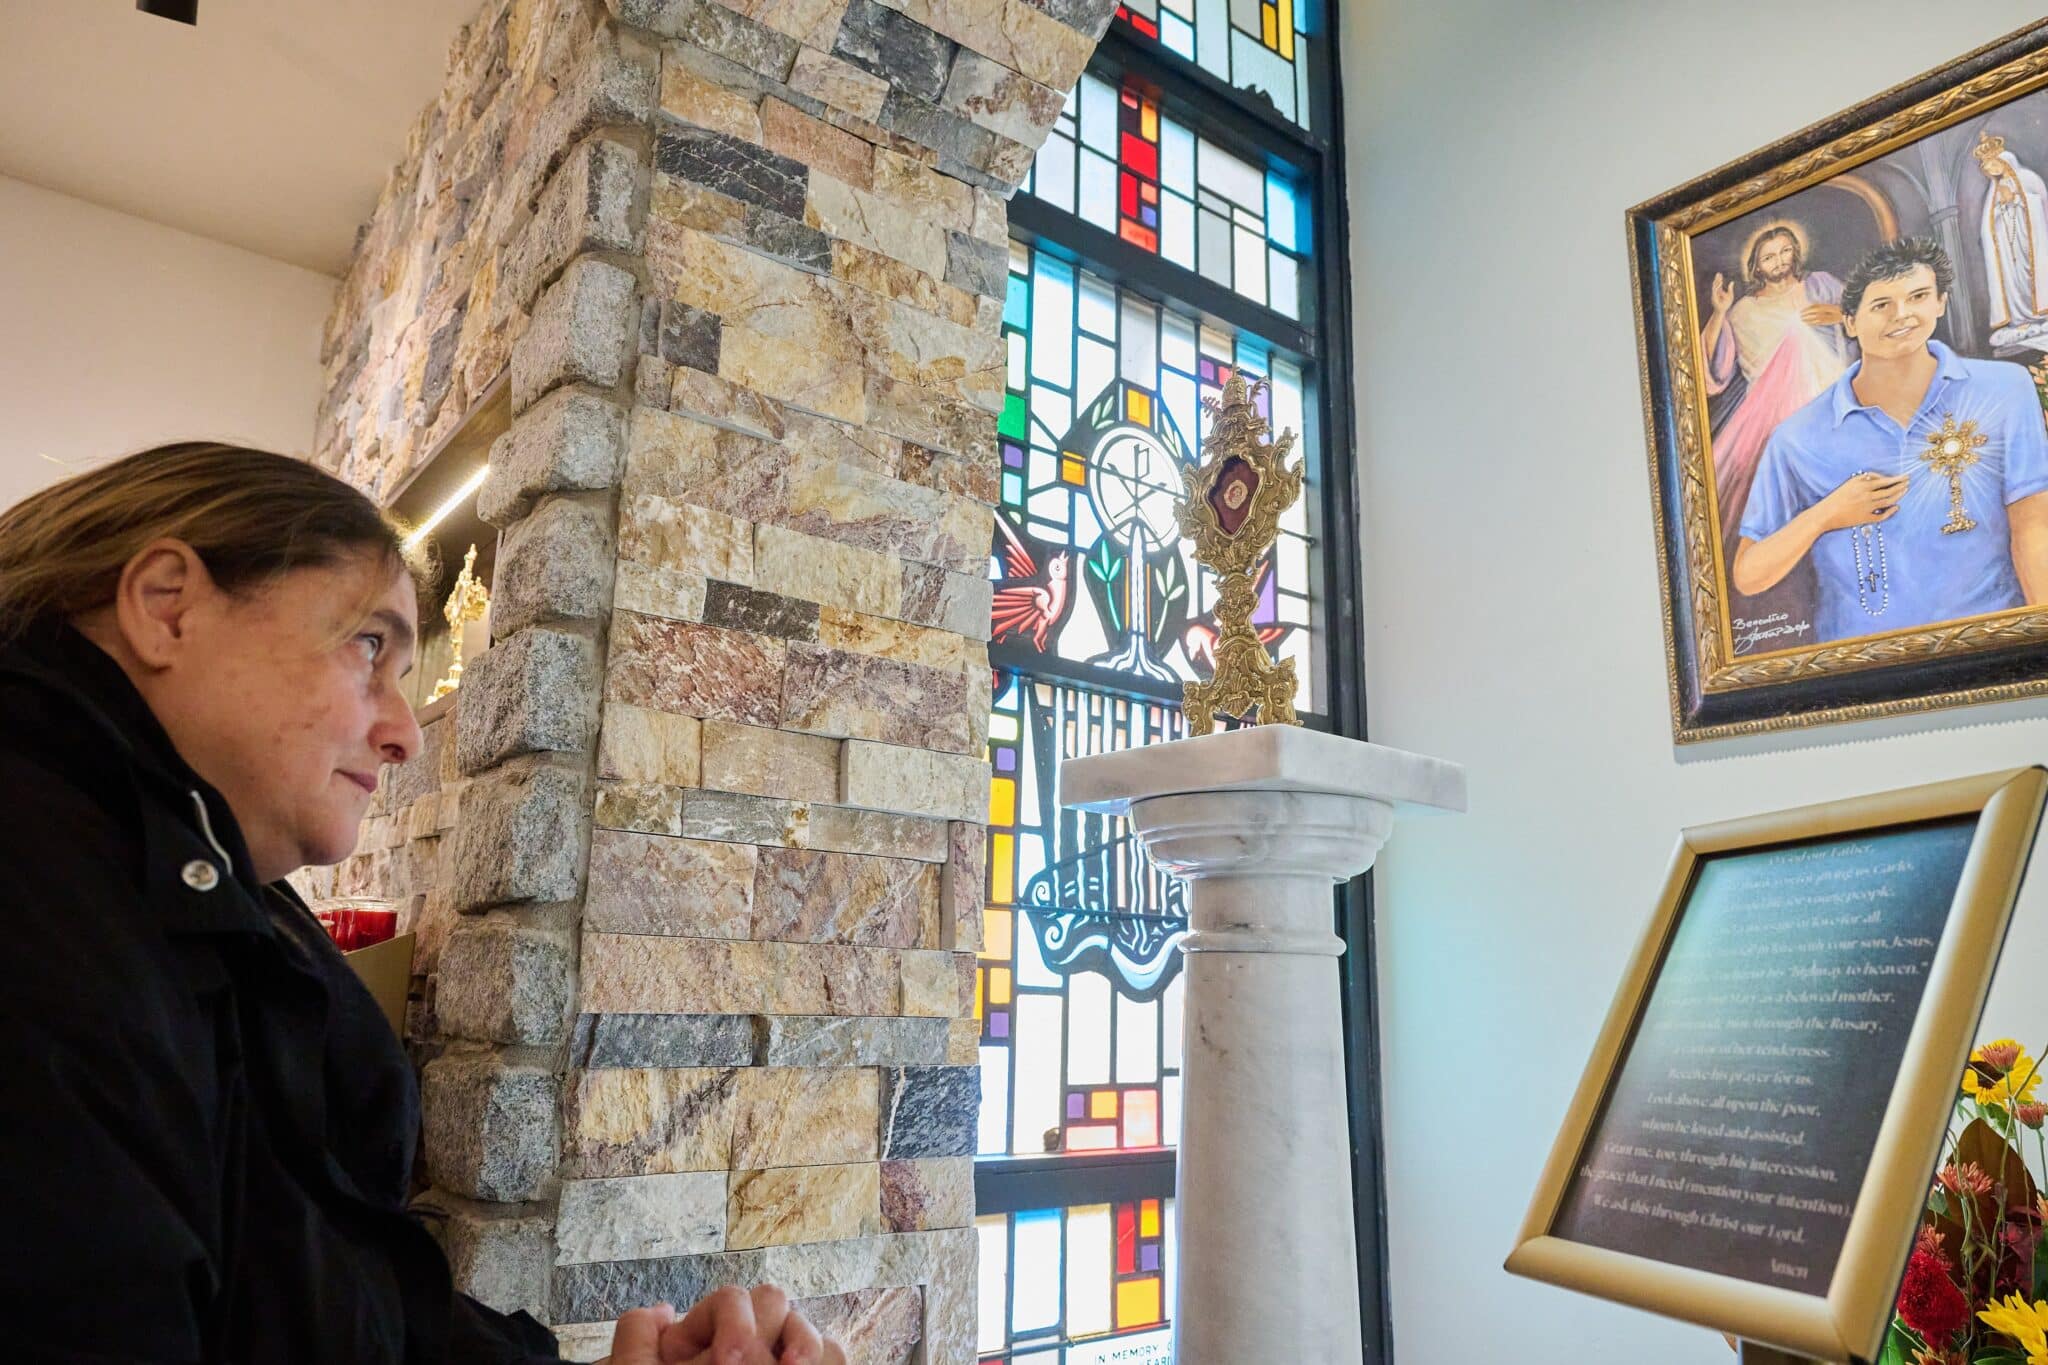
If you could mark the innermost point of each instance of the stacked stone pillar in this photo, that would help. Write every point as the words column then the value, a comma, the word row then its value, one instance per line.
column 705, row 875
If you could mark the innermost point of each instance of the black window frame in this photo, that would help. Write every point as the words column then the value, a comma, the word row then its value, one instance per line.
column 1247, row 126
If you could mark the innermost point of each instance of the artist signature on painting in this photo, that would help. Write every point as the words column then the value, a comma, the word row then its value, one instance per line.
column 1752, row 631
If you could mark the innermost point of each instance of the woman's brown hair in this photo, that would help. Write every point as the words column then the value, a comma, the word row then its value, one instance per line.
column 250, row 515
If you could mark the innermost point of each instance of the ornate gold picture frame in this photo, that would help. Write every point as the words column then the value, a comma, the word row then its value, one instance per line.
column 1758, row 403
column 1891, row 1125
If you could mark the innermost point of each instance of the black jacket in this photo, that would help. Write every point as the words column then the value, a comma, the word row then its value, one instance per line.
column 206, row 1126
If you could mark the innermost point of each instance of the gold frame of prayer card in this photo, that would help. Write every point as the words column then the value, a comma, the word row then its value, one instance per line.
column 1751, row 1145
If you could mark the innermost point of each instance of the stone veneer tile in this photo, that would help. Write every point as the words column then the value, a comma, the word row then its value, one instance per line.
column 828, row 1041
column 732, row 166
column 913, row 781
column 604, row 1289
column 838, row 83
column 694, row 670
column 685, row 538
column 791, row 1116
column 954, row 602
column 616, row 1041
column 643, row 974
column 662, row 593
column 799, row 565
column 938, row 985
column 867, row 218
column 745, row 819
column 828, row 691
column 807, row 896
column 713, row 400
column 737, row 607
column 647, row 1121
column 699, row 99
column 962, row 887
column 843, row 829
column 777, row 763
column 643, row 807
column 803, row 1204
column 798, row 373
column 879, row 274
column 814, row 142
column 929, row 1111
column 809, row 21
column 651, row 884
column 903, row 52
column 901, row 641
column 963, row 1042
column 640, row 745
column 918, row 1196
column 875, row 1326
column 1013, row 32
column 631, row 1217
column 664, row 452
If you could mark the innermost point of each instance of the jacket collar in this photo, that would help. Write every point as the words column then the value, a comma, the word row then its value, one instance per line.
column 196, row 865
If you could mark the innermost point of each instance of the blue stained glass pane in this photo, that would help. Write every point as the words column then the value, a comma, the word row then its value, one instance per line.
column 1017, row 303
column 1280, row 213
column 1013, row 489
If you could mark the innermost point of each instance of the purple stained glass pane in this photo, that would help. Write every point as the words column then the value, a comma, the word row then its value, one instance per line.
column 1148, row 1258
column 1006, row 760
column 1077, row 1106
column 999, row 1024
column 1013, row 456
column 1149, row 216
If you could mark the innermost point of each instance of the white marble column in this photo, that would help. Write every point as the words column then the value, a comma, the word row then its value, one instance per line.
column 1262, row 823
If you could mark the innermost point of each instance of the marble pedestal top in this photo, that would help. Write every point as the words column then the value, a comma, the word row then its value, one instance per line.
column 1264, row 758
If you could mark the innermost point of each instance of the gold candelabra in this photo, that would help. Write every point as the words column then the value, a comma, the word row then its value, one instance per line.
column 1231, row 514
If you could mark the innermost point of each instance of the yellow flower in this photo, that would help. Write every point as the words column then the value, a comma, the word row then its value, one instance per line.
column 2024, row 1322
column 2001, row 1073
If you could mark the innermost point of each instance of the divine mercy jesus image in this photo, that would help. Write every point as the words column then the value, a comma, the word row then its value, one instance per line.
column 1873, row 356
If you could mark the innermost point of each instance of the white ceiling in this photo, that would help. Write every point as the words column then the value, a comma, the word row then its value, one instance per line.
column 270, row 126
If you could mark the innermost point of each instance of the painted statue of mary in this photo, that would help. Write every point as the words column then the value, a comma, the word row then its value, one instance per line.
column 2015, row 238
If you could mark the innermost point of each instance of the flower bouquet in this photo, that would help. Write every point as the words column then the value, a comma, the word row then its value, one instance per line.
column 1976, row 1286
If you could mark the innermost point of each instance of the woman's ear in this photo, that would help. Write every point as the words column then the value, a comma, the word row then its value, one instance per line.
column 153, row 604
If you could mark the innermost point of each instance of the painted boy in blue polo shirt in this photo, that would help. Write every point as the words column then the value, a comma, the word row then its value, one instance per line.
column 1918, row 480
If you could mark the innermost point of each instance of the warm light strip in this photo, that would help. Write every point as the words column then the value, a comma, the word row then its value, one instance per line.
column 469, row 486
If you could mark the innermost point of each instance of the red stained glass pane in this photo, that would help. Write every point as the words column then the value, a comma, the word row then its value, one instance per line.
column 1141, row 156
column 1126, row 1239
column 1137, row 235
column 1127, row 194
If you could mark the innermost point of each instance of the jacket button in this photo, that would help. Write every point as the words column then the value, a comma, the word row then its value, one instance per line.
column 201, row 875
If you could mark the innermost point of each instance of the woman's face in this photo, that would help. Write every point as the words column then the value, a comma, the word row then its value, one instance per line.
column 286, row 699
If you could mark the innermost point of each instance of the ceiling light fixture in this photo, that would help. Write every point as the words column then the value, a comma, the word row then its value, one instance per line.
column 469, row 486
column 178, row 11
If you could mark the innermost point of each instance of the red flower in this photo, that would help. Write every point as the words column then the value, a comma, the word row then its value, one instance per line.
column 1929, row 1301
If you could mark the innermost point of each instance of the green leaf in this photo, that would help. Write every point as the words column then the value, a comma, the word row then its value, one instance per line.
column 1938, row 1202
column 1998, row 1355
column 1899, row 1345
column 1994, row 1115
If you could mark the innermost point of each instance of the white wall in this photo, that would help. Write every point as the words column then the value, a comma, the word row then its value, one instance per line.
column 1513, row 618
column 117, row 333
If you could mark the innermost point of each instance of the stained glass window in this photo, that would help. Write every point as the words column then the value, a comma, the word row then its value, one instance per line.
column 1092, row 1284
column 1115, row 160
column 1165, row 244
column 1259, row 46
column 1078, row 985
column 1103, row 411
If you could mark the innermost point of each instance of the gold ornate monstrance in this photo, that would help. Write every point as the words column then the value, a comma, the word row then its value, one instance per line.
column 1231, row 514
column 468, row 602
column 1949, row 452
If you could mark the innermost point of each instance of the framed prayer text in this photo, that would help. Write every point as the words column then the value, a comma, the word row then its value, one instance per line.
column 1844, row 341
column 1751, row 1144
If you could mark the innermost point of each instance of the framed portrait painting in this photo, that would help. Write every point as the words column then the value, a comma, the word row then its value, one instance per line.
column 1844, row 340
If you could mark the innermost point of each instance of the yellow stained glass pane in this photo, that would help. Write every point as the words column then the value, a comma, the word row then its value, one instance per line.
column 1137, row 1302
column 1269, row 30
column 1102, row 1104
column 1148, row 121
column 1002, row 887
column 1073, row 471
column 980, row 981
column 1139, row 406
column 1148, row 1218
column 995, row 934
column 1287, row 29
column 999, row 986
column 1002, row 801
